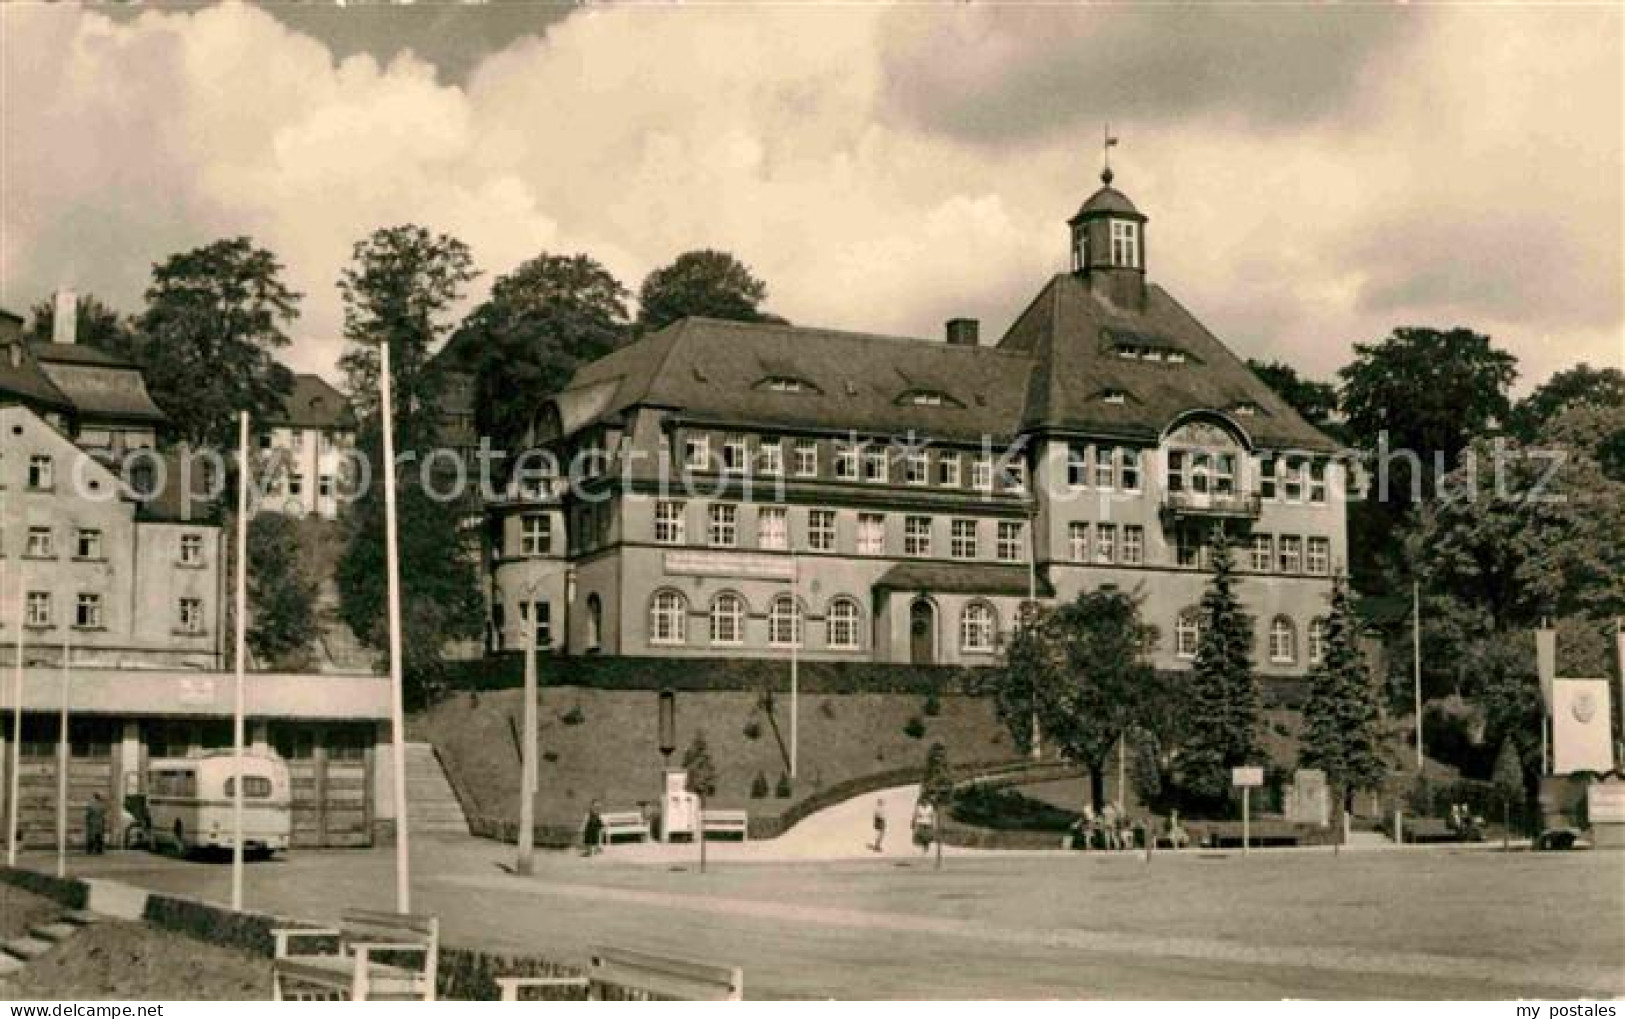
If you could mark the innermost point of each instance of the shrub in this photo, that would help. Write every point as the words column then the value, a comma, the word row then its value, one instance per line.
column 550, row 756
column 932, row 706
column 758, row 787
column 826, row 707
column 782, row 790
column 914, row 728
column 753, row 730
column 575, row 716
column 1009, row 810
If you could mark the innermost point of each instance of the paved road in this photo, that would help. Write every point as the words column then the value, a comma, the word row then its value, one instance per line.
column 1459, row 925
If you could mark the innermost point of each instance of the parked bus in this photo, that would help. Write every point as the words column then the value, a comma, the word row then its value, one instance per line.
column 189, row 802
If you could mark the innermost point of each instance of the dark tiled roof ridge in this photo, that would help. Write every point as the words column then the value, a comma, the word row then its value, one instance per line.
column 851, row 334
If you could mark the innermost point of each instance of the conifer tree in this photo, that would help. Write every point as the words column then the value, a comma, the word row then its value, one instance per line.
column 936, row 787
column 1509, row 785
column 1340, row 719
column 702, row 772
column 1224, row 697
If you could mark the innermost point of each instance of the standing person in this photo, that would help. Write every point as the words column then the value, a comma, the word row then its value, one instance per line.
column 925, row 825
column 1108, row 824
column 1086, row 825
column 593, row 833
column 95, row 826
column 880, row 824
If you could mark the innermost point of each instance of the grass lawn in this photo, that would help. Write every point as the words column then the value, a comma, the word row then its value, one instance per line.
column 602, row 743
column 20, row 910
column 114, row 959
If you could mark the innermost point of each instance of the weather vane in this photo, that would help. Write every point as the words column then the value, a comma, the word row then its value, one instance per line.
column 1108, row 139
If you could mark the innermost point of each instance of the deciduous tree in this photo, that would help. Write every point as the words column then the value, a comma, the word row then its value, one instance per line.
column 97, row 325
column 711, row 283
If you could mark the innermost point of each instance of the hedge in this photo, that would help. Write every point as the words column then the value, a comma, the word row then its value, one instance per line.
column 616, row 672
column 249, row 932
column 505, row 671
column 69, row 892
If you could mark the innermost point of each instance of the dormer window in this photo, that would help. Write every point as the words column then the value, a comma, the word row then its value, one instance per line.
column 1114, row 396
column 1245, row 410
column 1125, row 243
column 787, row 384
column 927, row 398
column 1176, row 357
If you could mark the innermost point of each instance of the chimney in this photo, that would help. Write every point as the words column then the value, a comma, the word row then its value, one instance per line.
column 964, row 332
column 65, row 317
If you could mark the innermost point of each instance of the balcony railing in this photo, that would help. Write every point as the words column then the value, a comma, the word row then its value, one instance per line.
column 1212, row 504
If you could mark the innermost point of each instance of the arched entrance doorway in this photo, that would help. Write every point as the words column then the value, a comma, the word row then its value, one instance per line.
column 922, row 632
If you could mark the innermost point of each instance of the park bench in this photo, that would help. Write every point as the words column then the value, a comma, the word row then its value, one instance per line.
column 1419, row 830
column 726, row 822
column 410, row 943
column 622, row 824
column 627, row 974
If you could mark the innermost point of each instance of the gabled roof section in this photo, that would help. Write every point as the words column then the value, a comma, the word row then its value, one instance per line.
column 1073, row 335
column 22, row 379
column 714, row 370
column 99, row 384
column 315, row 403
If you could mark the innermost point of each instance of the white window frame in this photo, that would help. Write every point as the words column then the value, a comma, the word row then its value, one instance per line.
column 1283, row 641
column 88, row 544
column 821, row 530
column 770, row 456
column 727, row 620
column 1077, row 539
column 1105, row 544
column 917, row 536
column 41, row 472
column 981, row 474
column 1187, row 632
column 772, row 527
column 785, row 622
column 1263, row 553
column 697, row 452
column 1133, row 545
column 41, row 542
column 846, row 462
column 806, row 458
column 1105, row 473
column 948, row 470
column 978, row 624
column 917, row 468
column 962, row 538
column 1125, row 240
column 535, row 534
column 1077, row 464
column 39, row 609
column 735, row 454
column 669, row 522
column 1290, row 553
column 190, row 615
column 871, row 534
column 1011, row 544
column 876, row 469
column 722, row 530
column 1318, row 555
column 88, row 611
column 843, row 625
column 1128, row 470
column 668, row 618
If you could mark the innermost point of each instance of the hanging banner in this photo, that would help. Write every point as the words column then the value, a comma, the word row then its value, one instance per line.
column 1581, row 726
column 1546, row 662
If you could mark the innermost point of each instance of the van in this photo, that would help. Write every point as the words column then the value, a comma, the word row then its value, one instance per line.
column 190, row 802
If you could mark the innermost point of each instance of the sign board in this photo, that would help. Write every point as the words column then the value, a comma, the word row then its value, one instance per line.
column 1247, row 778
column 1582, row 736
column 1605, row 802
column 730, row 564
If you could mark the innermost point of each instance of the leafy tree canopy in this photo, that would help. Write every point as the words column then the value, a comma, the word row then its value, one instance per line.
column 215, row 317
column 399, row 288
column 1316, row 402
column 1580, row 386
column 281, row 597
column 711, row 283
column 542, row 321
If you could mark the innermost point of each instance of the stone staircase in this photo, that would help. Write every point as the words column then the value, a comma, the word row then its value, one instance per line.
column 431, row 805
column 338, row 649
column 16, row 954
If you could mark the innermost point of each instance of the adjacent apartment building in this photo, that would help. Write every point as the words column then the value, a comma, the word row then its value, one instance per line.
column 750, row 488
column 307, row 446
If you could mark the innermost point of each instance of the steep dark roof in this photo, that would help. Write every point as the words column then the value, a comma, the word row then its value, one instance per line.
column 1073, row 334
column 711, row 369
column 98, row 384
column 314, row 403
column 25, row 382
column 961, row 578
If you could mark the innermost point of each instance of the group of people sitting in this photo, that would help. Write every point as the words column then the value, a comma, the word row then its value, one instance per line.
column 1463, row 822
column 1112, row 829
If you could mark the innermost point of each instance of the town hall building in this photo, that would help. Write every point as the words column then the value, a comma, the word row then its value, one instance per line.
column 752, row 488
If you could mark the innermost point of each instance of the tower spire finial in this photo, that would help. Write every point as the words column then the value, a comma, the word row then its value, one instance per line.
column 1108, row 140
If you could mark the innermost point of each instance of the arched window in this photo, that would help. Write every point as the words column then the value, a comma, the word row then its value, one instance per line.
column 841, row 624
column 595, row 622
column 668, row 618
column 976, row 626
column 1317, row 641
column 728, row 619
column 1283, row 641
column 784, row 622
column 1187, row 632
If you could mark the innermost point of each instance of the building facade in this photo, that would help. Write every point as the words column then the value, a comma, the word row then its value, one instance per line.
column 308, row 447
column 733, row 489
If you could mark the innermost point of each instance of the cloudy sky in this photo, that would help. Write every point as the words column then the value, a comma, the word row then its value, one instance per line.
column 1314, row 175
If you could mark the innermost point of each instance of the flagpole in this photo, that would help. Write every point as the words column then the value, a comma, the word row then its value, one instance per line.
column 397, row 720
column 62, row 765
column 16, row 722
column 242, row 654
column 1416, row 665
column 795, row 657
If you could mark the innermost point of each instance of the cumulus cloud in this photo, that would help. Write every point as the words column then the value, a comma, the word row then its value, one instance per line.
column 882, row 169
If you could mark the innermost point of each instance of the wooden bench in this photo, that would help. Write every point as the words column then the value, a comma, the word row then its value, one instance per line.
column 622, row 824
column 1429, row 829
column 640, row 976
column 350, row 970
column 726, row 822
